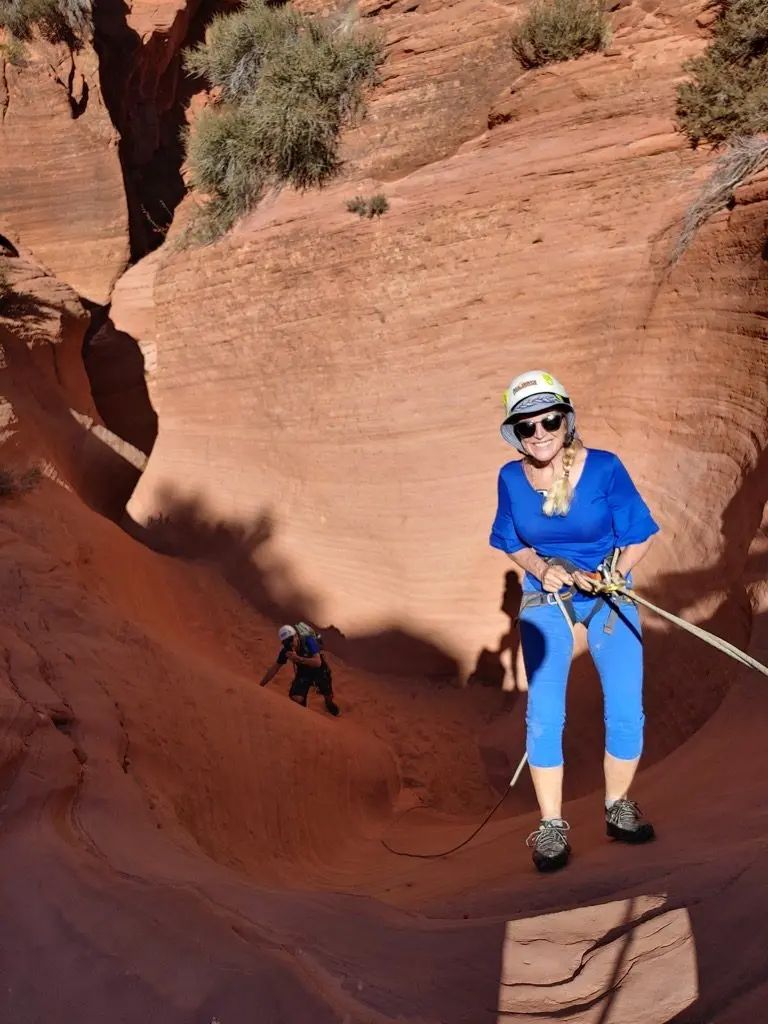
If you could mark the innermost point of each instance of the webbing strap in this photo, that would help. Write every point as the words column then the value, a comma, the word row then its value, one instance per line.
column 564, row 599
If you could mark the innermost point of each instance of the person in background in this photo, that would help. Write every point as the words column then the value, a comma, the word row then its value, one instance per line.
column 302, row 646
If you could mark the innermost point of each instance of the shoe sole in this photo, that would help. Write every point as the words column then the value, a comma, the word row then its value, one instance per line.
column 644, row 834
column 546, row 864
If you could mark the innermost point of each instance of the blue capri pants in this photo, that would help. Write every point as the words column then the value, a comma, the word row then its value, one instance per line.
column 547, row 644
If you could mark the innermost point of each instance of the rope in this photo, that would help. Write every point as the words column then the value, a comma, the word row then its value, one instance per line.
column 609, row 585
column 480, row 827
column 702, row 634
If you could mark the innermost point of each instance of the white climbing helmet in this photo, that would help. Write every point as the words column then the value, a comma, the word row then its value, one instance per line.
column 530, row 393
column 284, row 632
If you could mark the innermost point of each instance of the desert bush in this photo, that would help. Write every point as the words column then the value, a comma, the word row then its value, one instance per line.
column 378, row 205
column 744, row 157
column 358, row 205
column 14, row 51
column 287, row 85
column 728, row 93
column 57, row 20
column 224, row 156
column 373, row 207
column 237, row 45
column 557, row 30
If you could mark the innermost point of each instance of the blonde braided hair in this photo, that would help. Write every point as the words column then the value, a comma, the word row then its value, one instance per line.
column 560, row 494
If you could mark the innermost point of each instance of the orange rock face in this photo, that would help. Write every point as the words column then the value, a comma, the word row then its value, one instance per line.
column 343, row 376
column 178, row 844
column 47, row 412
column 61, row 183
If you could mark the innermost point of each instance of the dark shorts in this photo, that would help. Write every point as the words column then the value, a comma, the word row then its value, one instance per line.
column 300, row 686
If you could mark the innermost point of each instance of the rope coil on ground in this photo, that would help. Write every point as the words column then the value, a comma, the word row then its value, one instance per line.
column 607, row 586
column 480, row 827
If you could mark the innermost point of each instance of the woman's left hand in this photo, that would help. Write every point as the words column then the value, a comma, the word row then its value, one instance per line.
column 586, row 581
column 618, row 578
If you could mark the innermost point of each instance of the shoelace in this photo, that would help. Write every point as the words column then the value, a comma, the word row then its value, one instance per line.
column 625, row 814
column 549, row 837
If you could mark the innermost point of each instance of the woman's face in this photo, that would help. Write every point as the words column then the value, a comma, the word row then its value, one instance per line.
column 547, row 439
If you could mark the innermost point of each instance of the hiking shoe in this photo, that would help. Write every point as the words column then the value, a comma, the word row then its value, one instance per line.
column 624, row 821
column 550, row 847
column 332, row 708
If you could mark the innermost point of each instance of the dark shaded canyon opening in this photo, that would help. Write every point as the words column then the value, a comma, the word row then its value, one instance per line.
column 115, row 366
column 147, row 93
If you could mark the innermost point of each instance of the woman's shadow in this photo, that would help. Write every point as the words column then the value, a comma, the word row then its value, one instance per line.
column 502, row 742
column 503, row 668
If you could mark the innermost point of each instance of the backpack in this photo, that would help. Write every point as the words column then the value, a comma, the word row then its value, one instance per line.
column 304, row 630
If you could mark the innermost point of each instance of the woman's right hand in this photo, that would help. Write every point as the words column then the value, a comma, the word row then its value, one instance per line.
column 554, row 578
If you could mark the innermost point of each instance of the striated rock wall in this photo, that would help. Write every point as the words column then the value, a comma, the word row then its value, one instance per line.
column 61, row 184
column 327, row 391
column 47, row 413
column 342, row 378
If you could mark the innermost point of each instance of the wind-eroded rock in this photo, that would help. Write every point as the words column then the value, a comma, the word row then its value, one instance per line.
column 177, row 844
column 61, row 184
column 343, row 376
column 47, row 413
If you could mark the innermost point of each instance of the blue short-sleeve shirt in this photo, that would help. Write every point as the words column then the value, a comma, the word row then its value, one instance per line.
column 606, row 512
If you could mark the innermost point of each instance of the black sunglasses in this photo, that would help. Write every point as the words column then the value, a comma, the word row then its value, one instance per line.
column 525, row 430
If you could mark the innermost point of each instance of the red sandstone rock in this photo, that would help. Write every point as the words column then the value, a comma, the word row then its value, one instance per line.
column 706, row 18
column 61, row 184
column 47, row 414
column 178, row 845
column 339, row 376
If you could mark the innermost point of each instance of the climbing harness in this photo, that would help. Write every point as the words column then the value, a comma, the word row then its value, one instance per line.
column 564, row 599
column 612, row 588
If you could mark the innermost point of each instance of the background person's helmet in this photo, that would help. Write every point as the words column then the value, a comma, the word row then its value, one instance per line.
column 285, row 632
column 530, row 393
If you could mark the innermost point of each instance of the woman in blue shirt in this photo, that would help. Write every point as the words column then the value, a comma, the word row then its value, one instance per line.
column 563, row 510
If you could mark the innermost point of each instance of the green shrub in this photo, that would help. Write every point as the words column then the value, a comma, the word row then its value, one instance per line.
column 358, row 205
column 14, row 51
column 237, row 45
column 557, row 30
column 57, row 20
column 378, row 205
column 729, row 92
column 287, row 85
column 225, row 160
column 373, row 207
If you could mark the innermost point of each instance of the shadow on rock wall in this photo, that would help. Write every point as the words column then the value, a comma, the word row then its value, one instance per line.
column 243, row 555
column 115, row 366
column 46, row 405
